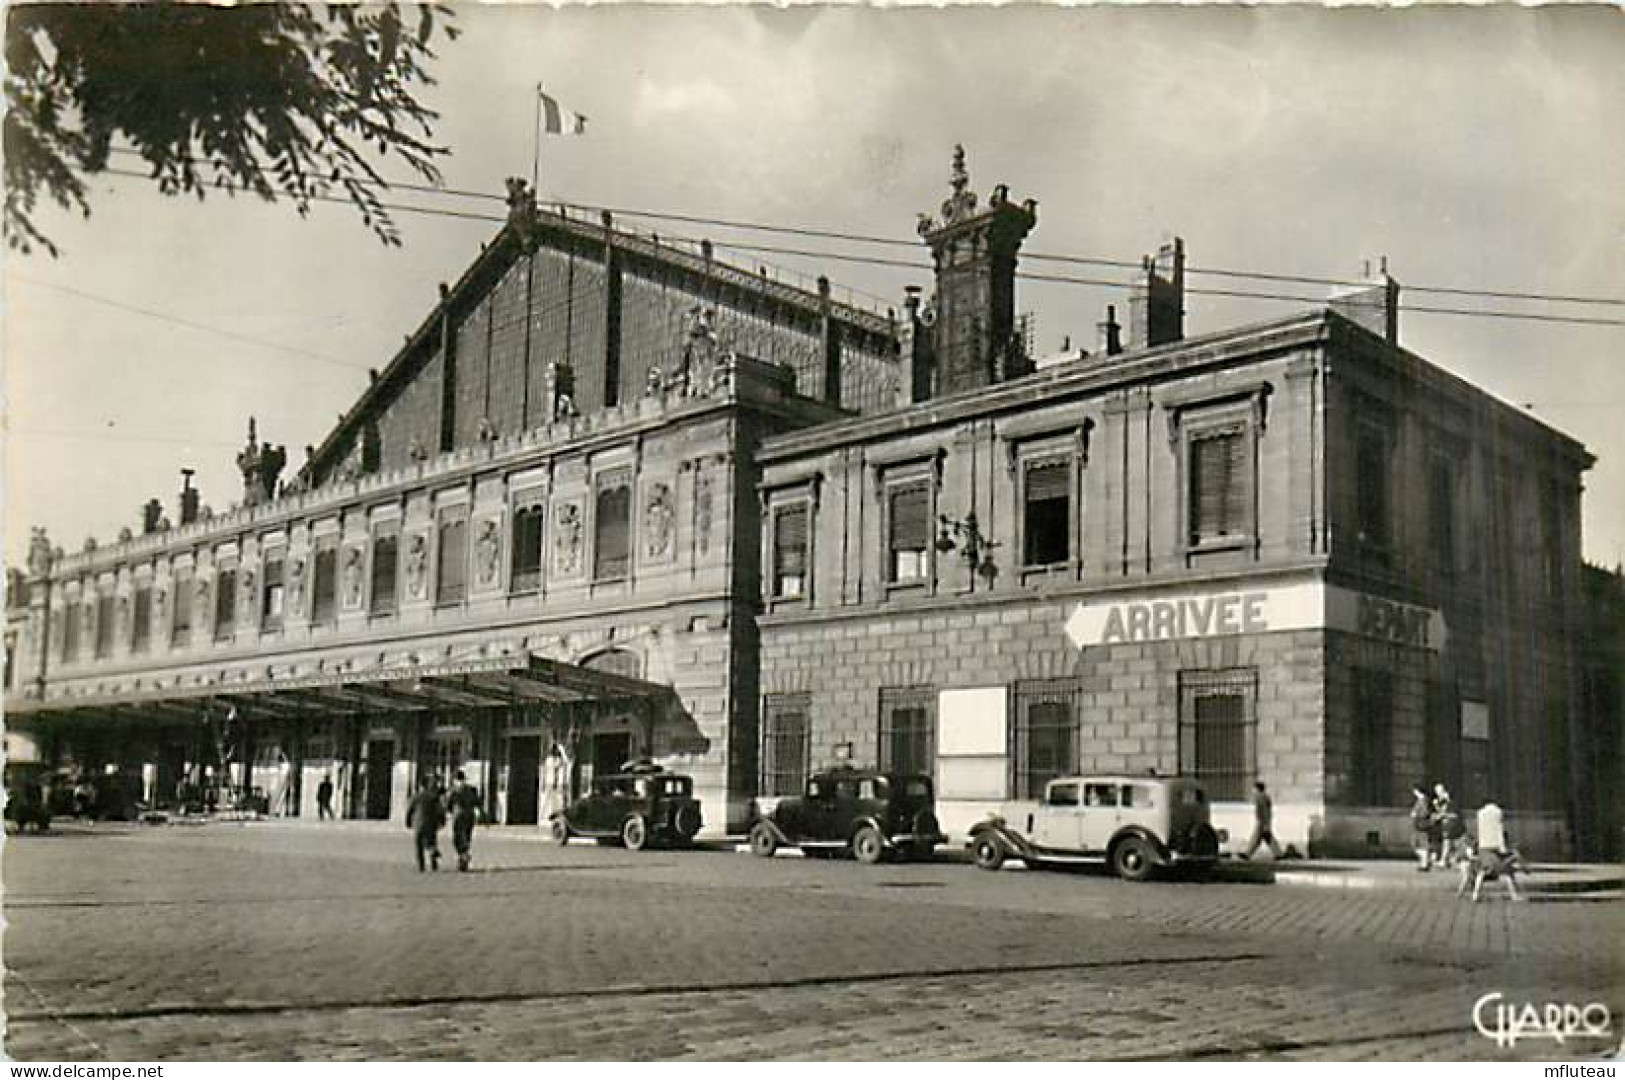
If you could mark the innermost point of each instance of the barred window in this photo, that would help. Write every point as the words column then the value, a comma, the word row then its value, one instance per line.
column 451, row 571
column 1046, row 734
column 1371, row 742
column 272, row 595
column 908, row 730
column 790, row 551
column 785, row 743
column 141, row 619
column 1046, row 520
column 225, row 603
column 1218, row 505
column 1218, row 730
column 324, row 585
column 909, row 542
column 612, row 531
column 104, row 624
column 385, row 572
column 527, row 549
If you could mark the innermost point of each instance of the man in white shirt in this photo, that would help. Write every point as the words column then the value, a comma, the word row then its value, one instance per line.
column 1495, row 857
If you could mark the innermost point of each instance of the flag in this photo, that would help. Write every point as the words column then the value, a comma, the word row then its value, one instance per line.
column 557, row 120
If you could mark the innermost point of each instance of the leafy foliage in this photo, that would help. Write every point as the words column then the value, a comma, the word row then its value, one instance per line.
column 281, row 100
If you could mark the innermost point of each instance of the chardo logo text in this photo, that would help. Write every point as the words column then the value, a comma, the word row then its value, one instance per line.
column 1506, row 1022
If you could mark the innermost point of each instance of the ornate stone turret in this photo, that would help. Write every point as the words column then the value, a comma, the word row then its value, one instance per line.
column 974, row 337
column 260, row 465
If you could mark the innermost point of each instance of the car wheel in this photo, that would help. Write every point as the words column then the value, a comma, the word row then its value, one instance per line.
column 560, row 830
column 867, row 845
column 686, row 823
column 635, row 833
column 988, row 852
column 762, row 840
column 1133, row 859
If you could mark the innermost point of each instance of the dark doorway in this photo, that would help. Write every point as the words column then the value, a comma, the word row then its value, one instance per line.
column 610, row 752
column 524, row 768
column 380, row 778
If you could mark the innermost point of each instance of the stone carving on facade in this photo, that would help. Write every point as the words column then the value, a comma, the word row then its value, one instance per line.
column 87, row 625
column 960, row 204
column 121, row 625
column 659, row 519
column 417, row 566
column 160, row 606
column 564, row 407
column 416, row 451
column 245, row 585
column 260, row 466
column 702, row 513
column 352, row 577
column 296, row 587
column 567, row 538
column 39, row 553
column 201, row 618
column 487, row 431
column 125, row 535
column 488, row 550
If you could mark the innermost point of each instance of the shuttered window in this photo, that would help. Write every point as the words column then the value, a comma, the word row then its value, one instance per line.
column 1046, row 513
column 104, row 625
column 790, row 551
column 1218, row 485
column 386, row 558
column 1218, row 730
column 451, row 577
column 141, row 616
column 612, row 532
column 325, row 584
column 910, row 540
column 527, row 550
column 225, row 604
column 271, row 605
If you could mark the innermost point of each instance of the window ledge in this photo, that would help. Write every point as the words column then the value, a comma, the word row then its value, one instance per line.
column 1219, row 543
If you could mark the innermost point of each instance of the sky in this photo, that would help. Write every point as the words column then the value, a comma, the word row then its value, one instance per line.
column 1473, row 148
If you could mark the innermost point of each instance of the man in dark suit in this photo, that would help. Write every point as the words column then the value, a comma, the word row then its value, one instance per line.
column 465, row 811
column 424, row 816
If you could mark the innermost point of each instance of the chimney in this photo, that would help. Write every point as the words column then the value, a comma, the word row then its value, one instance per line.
column 1111, row 332
column 189, row 497
column 151, row 514
column 974, row 250
column 1157, row 300
column 1373, row 304
column 915, row 342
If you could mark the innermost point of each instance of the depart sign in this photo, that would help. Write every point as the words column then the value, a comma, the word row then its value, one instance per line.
column 1311, row 606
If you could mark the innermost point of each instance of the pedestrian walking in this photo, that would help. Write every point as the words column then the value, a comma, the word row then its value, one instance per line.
column 324, row 798
column 1421, row 824
column 1440, row 810
column 424, row 816
column 1263, row 822
column 465, row 811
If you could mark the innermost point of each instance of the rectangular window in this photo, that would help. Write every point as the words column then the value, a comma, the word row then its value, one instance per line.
column 70, row 633
column 1046, row 734
column 451, row 577
column 180, row 627
column 1218, row 731
column 272, row 596
column 1371, row 487
column 324, row 583
column 1371, row 759
column 1442, row 514
column 141, row 619
column 104, row 624
column 1219, row 491
column 385, row 564
column 612, row 529
column 785, row 746
column 790, row 551
column 225, row 603
column 1046, row 513
column 527, row 549
column 11, row 661
column 908, row 730
column 1551, row 539
column 909, row 543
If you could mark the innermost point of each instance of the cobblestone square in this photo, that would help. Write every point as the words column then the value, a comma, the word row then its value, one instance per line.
column 261, row 941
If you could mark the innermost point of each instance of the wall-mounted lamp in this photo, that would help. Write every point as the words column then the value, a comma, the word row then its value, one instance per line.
column 976, row 549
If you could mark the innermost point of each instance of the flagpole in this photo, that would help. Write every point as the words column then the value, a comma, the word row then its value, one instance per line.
column 536, row 153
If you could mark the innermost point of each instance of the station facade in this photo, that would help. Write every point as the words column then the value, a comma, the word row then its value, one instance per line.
column 618, row 500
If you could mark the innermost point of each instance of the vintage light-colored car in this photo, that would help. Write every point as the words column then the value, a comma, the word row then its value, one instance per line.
column 1136, row 824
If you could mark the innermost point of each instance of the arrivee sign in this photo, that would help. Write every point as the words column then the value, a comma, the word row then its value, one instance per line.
column 1310, row 606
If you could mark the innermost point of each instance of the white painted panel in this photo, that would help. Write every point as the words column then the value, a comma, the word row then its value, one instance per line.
column 971, row 722
column 1475, row 720
column 971, row 777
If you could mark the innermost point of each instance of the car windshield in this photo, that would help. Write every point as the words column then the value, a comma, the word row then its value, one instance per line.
column 676, row 786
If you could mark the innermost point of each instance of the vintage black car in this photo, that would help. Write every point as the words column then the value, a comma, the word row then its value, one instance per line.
column 26, row 799
column 864, row 811
column 640, row 805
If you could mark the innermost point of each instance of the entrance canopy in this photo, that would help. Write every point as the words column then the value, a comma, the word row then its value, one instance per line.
column 479, row 683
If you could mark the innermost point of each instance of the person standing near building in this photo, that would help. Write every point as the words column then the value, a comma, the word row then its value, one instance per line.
column 1263, row 822
column 424, row 816
column 465, row 811
column 1421, row 827
column 324, row 798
